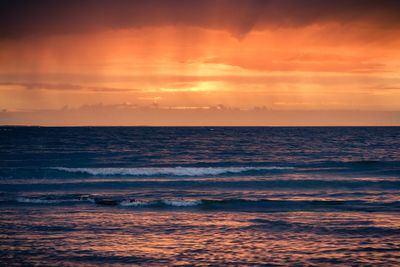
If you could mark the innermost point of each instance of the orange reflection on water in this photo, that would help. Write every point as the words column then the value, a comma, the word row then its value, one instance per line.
column 153, row 238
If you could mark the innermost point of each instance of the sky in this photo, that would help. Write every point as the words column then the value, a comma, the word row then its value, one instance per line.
column 208, row 62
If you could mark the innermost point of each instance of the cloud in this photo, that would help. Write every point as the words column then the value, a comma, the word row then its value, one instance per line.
column 187, row 81
column 318, row 63
column 19, row 18
column 66, row 87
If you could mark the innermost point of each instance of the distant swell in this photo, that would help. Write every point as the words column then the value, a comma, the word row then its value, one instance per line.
column 176, row 171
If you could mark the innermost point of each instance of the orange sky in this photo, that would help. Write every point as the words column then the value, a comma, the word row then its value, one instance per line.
column 325, row 64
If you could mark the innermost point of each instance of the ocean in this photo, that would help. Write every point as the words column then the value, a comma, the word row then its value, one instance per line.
column 200, row 196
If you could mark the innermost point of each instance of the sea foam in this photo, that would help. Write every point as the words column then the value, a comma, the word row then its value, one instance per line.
column 177, row 171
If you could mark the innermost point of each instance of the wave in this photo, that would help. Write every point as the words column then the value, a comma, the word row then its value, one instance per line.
column 37, row 200
column 202, row 170
column 235, row 204
column 134, row 203
column 55, row 199
column 182, row 203
column 166, row 202
column 176, row 171
column 105, row 201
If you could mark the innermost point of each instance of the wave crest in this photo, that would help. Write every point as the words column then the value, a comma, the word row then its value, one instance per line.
column 176, row 171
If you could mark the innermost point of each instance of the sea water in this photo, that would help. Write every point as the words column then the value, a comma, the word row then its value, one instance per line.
column 200, row 196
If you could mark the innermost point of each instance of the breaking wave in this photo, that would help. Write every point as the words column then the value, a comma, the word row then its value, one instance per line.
column 233, row 204
column 177, row 171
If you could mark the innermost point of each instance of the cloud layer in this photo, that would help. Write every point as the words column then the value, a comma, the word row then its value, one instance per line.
column 183, row 56
column 19, row 18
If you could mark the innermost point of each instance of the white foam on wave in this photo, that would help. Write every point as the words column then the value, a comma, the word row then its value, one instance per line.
column 168, row 202
column 38, row 200
column 44, row 200
column 88, row 199
column 182, row 203
column 134, row 203
column 177, row 171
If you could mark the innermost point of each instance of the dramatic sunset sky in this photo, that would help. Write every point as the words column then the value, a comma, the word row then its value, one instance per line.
column 200, row 62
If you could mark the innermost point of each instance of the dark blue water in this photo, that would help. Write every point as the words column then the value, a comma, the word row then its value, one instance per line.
column 199, row 196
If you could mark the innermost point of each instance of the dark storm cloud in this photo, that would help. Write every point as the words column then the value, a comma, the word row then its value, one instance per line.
column 19, row 18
